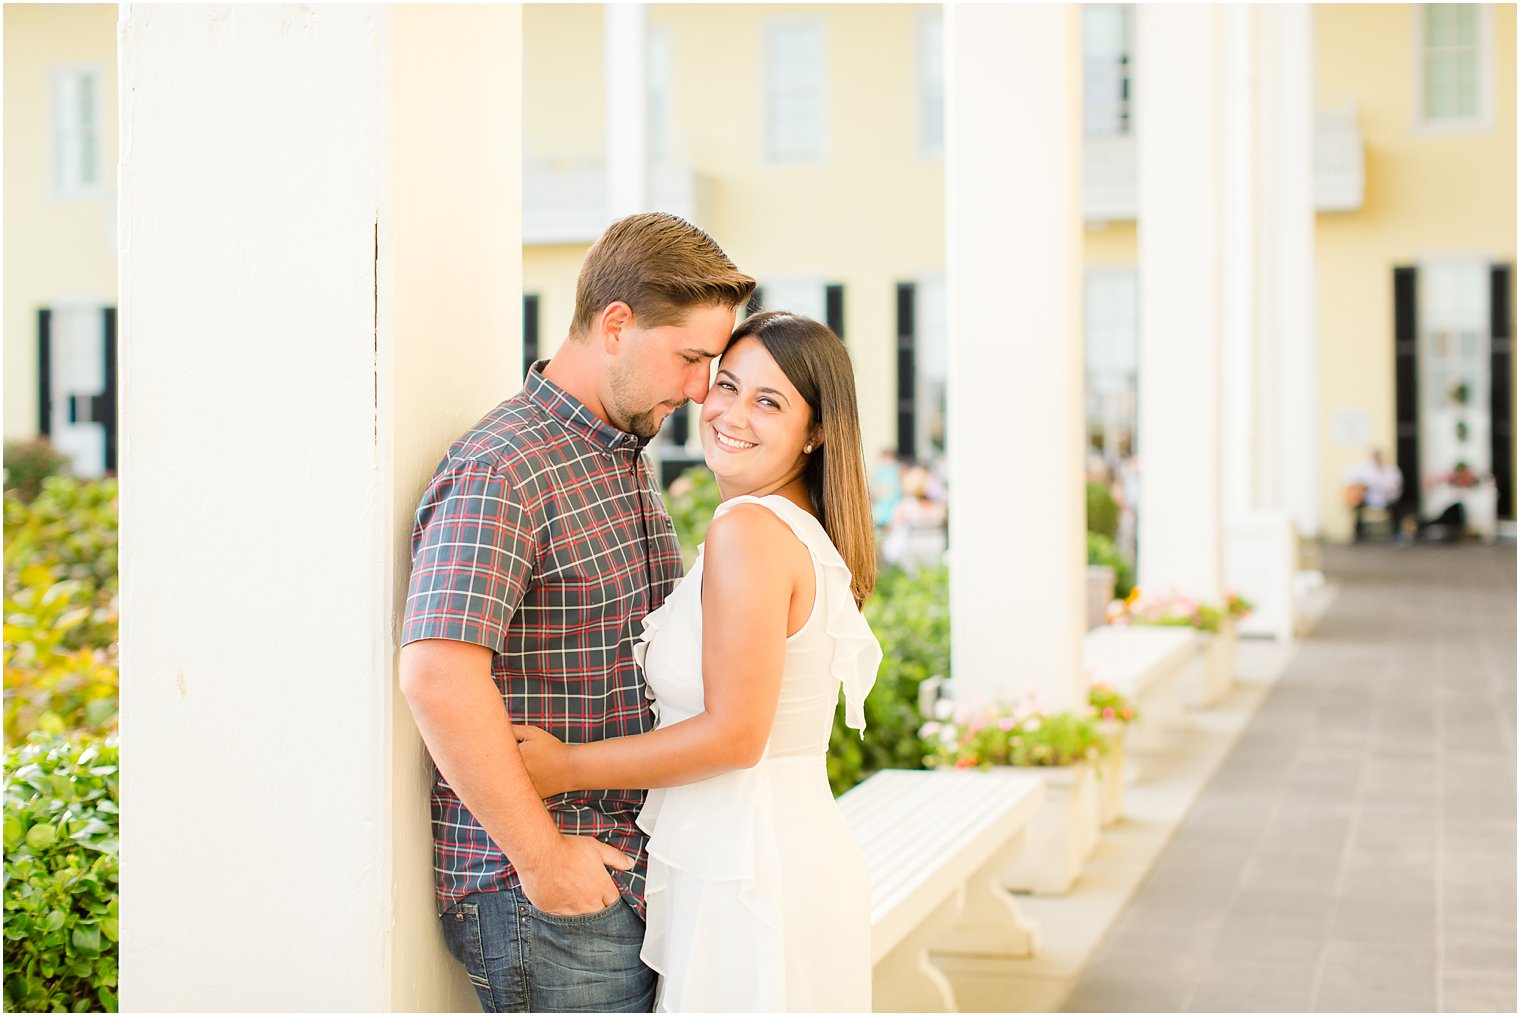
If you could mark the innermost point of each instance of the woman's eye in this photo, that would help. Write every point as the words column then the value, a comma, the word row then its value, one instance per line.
column 770, row 402
column 727, row 386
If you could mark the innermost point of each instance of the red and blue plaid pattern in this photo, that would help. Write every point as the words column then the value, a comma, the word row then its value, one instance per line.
column 542, row 536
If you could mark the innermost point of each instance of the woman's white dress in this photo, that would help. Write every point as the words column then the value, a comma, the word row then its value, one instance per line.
column 757, row 895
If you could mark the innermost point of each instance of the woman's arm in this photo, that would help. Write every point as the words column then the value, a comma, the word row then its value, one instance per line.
column 754, row 566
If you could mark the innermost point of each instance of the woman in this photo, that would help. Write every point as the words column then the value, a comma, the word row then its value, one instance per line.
column 757, row 896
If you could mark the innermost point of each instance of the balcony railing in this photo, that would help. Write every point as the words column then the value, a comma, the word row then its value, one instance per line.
column 1109, row 191
column 566, row 201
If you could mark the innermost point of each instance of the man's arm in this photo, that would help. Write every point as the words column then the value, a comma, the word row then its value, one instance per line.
column 459, row 712
column 753, row 567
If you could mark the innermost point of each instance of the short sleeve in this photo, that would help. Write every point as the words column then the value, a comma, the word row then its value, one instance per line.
column 472, row 556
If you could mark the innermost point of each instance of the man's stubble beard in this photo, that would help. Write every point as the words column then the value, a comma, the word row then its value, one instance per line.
column 640, row 422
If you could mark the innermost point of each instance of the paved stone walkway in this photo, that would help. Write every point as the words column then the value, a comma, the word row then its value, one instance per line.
column 1356, row 851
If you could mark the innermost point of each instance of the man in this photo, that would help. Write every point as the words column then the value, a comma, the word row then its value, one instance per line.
column 539, row 545
column 1374, row 484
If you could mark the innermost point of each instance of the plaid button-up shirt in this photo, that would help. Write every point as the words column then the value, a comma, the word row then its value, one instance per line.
column 542, row 537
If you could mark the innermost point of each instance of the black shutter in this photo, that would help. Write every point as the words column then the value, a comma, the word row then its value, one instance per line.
column 530, row 332
column 44, row 372
column 833, row 308
column 756, row 302
column 1406, row 383
column 1501, row 410
column 680, row 427
column 907, row 382
column 105, row 410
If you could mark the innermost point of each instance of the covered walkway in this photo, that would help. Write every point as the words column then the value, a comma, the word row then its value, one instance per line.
column 1356, row 849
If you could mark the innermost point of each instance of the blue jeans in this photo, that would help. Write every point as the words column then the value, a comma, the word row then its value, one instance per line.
column 521, row 959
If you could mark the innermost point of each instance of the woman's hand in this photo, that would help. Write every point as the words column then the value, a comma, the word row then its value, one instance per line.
column 547, row 759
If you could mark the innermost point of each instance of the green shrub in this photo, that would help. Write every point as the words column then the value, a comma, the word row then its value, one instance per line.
column 61, row 875
column 1101, row 550
column 691, row 501
column 911, row 618
column 28, row 463
column 1102, row 511
column 61, row 613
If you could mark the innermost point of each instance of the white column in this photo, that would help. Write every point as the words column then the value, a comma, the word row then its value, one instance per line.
column 1240, row 434
column 626, row 64
column 312, row 286
column 1178, row 90
column 1014, row 285
column 1297, row 343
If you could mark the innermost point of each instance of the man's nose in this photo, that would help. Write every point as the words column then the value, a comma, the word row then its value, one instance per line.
column 698, row 384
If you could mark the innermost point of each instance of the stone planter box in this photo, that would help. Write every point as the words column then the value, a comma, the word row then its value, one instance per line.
column 1111, row 773
column 1211, row 675
column 1063, row 833
column 1100, row 593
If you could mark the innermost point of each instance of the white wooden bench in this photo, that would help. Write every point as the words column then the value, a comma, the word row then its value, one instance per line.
column 1146, row 664
column 935, row 843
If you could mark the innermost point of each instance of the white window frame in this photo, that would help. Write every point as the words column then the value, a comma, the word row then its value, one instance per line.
column 772, row 28
column 799, row 294
column 69, row 189
column 1483, row 119
column 1128, row 75
column 930, row 146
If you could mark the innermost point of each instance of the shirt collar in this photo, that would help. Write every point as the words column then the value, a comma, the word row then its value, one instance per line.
column 572, row 412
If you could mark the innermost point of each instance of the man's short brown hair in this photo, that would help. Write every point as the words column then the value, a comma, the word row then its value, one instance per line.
column 661, row 266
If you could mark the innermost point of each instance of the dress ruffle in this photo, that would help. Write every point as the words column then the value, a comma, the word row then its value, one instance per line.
column 713, row 853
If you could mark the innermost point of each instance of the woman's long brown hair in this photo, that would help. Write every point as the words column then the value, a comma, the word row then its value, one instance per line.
column 814, row 359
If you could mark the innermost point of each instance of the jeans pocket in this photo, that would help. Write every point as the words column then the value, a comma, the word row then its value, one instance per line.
column 461, row 932
column 589, row 962
column 571, row 920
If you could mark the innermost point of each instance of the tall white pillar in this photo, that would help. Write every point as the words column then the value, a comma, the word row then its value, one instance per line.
column 1178, row 126
column 1240, row 434
column 1015, row 412
column 312, row 287
column 626, row 63
column 1296, row 339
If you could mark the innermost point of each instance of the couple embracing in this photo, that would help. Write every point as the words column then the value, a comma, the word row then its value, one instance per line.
column 631, row 807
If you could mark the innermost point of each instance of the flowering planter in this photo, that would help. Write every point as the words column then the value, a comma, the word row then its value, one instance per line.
column 1111, row 773
column 1211, row 674
column 1063, row 833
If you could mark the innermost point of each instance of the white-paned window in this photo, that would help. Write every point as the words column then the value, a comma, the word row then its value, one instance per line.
column 931, row 84
column 1111, row 326
column 1454, row 359
column 1454, row 66
column 1107, row 42
column 795, row 119
column 659, row 94
column 932, row 366
column 799, row 294
column 76, row 119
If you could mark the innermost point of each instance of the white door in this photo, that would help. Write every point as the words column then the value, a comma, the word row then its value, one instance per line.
column 77, row 380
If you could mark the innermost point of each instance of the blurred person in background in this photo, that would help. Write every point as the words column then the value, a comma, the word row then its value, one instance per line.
column 915, row 535
column 1375, row 484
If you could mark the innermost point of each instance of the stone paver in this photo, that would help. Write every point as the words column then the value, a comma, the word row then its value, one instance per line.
column 1356, row 851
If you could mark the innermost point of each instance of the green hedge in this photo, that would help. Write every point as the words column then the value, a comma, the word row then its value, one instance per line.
column 28, row 463
column 61, row 615
column 1101, row 550
column 911, row 617
column 1102, row 511
column 61, row 875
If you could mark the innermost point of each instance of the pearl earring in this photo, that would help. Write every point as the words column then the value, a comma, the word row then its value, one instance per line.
column 807, row 449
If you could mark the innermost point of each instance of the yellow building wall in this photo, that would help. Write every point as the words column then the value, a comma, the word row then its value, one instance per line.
column 55, row 249
column 1110, row 244
column 870, row 215
column 1426, row 194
